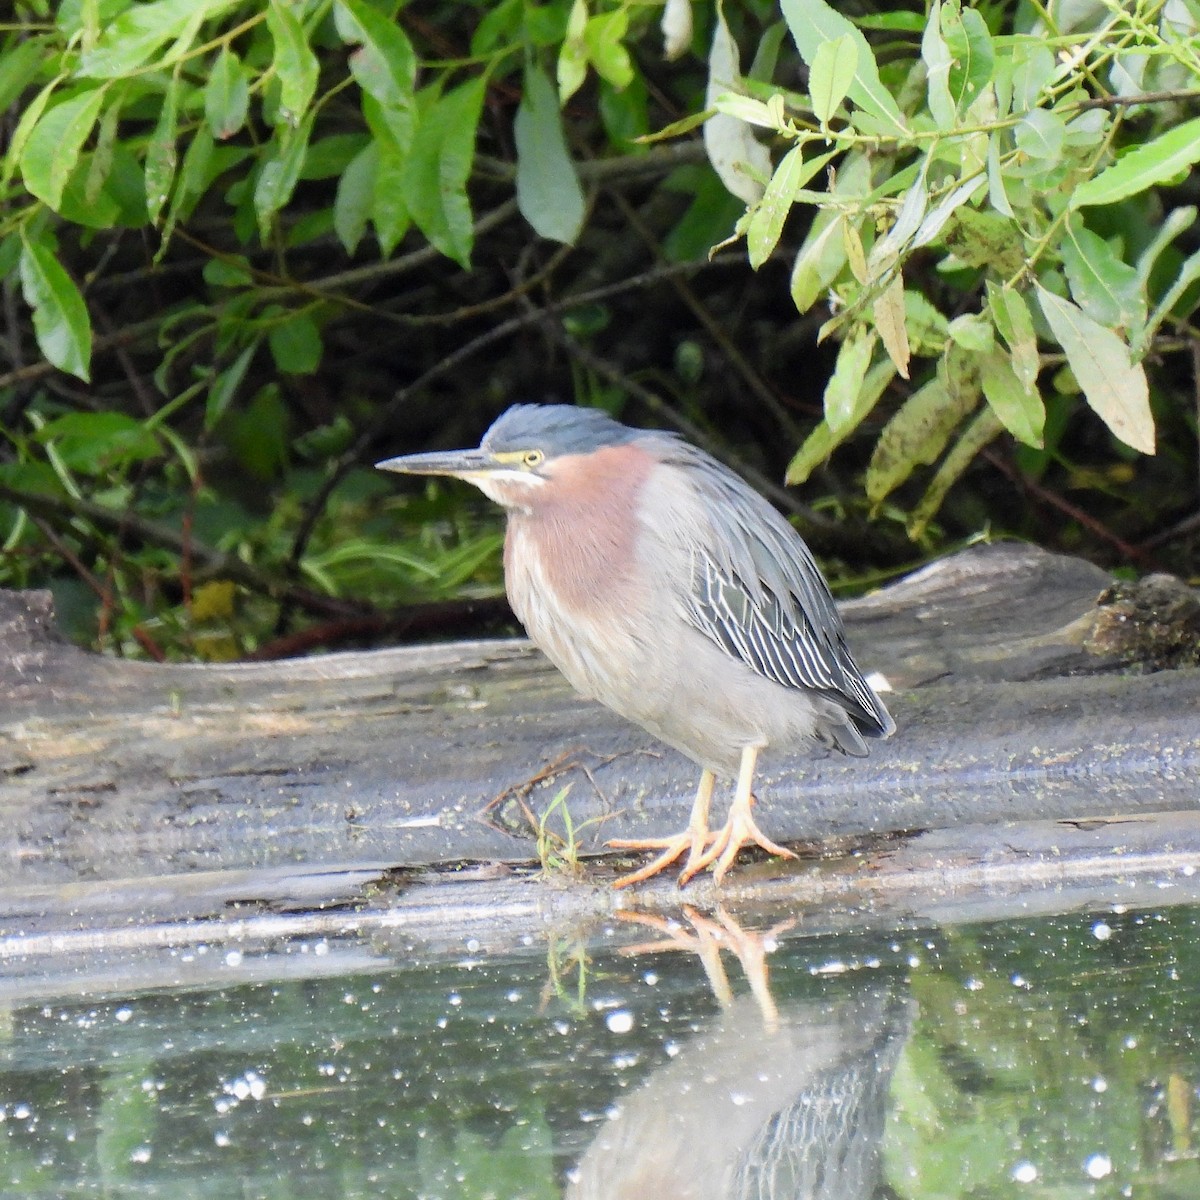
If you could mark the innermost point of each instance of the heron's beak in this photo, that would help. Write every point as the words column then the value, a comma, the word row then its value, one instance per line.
column 462, row 464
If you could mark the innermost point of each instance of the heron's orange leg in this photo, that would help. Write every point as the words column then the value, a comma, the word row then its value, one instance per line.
column 693, row 839
column 740, row 829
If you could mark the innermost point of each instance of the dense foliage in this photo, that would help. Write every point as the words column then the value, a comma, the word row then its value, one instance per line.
column 250, row 246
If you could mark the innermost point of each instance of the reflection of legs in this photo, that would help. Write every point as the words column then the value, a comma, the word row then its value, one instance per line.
column 693, row 839
column 738, row 830
column 707, row 942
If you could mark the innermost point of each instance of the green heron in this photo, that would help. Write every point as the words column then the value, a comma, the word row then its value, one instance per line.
column 662, row 585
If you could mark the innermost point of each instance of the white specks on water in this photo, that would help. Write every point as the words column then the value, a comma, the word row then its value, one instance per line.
column 141, row 1154
column 221, row 1138
column 1099, row 1084
column 233, row 958
column 1024, row 1172
column 619, row 1021
column 835, row 967
column 123, row 1014
column 1102, row 931
column 1098, row 1166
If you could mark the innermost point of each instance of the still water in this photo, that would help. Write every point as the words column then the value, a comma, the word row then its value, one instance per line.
column 1049, row 1058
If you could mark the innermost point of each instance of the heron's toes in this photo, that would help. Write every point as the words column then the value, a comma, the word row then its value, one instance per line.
column 740, row 830
column 690, row 840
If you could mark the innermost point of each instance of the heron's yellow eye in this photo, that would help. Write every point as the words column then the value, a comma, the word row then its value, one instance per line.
column 533, row 458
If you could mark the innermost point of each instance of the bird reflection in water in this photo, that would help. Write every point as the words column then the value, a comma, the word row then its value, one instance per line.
column 768, row 1103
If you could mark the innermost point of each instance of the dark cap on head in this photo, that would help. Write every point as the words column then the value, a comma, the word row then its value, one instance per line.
column 556, row 429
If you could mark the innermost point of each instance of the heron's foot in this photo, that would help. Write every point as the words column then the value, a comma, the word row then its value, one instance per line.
column 740, row 830
column 708, row 938
column 691, row 840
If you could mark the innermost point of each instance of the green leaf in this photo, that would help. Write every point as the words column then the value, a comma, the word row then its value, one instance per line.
column 129, row 41
column 226, row 95
column 1019, row 408
column 603, row 38
column 19, row 67
column 573, row 57
column 813, row 22
column 741, row 161
column 435, row 181
column 194, row 178
column 385, row 64
column 766, row 225
column 834, row 67
column 225, row 384
column 102, row 156
column 983, row 429
column 1145, row 166
column 936, row 55
column 1189, row 273
column 295, row 63
column 161, row 155
column 997, row 192
column 971, row 53
column 972, row 331
column 280, row 170
column 259, row 435
column 1015, row 325
column 295, row 343
column 935, row 220
column 52, row 149
column 355, row 197
column 548, row 189
column 823, row 254
column 823, row 440
column 1115, row 387
column 231, row 272
column 389, row 209
column 99, row 442
column 1178, row 221
column 845, row 384
column 918, row 433
column 60, row 317
column 25, row 126
column 1105, row 287
column 1040, row 134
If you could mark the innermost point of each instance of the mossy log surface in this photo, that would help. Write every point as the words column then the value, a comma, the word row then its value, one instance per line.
column 1026, row 687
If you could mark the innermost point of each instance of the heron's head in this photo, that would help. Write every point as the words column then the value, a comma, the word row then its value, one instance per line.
column 530, row 455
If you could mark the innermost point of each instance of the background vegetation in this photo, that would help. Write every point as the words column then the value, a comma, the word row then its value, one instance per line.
column 251, row 246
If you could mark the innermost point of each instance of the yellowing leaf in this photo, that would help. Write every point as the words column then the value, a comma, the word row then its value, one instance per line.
column 1115, row 386
column 889, row 320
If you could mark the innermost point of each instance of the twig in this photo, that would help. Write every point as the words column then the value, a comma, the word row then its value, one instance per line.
column 215, row 562
column 1124, row 548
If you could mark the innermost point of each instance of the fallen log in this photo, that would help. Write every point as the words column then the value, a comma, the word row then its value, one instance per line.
column 1024, row 689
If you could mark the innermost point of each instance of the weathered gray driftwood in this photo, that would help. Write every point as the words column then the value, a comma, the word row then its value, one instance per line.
column 1012, row 695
